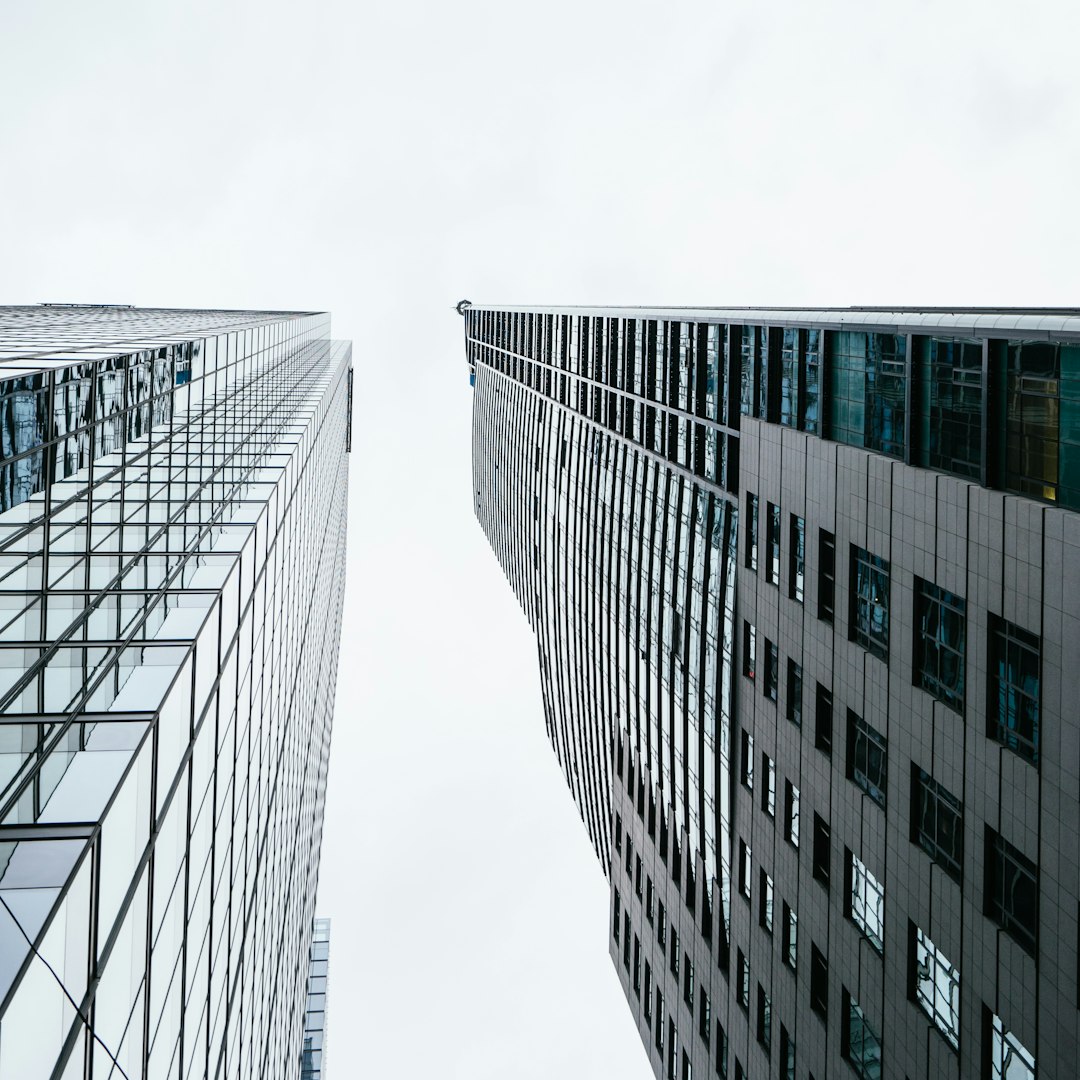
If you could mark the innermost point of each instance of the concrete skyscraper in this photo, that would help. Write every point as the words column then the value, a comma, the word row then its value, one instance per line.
column 798, row 580
column 173, row 491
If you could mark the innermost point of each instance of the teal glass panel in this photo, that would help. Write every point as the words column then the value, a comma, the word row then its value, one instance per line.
column 789, row 378
column 954, row 435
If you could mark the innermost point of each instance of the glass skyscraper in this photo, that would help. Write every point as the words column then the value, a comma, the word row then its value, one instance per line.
column 801, row 585
column 172, row 561
column 313, row 1063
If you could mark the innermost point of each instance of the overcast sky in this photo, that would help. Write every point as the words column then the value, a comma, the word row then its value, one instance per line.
column 381, row 161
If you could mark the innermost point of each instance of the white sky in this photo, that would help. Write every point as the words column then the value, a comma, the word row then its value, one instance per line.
column 382, row 161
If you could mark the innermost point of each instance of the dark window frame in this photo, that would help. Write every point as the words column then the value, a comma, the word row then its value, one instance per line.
column 1006, row 870
column 940, row 644
column 793, row 698
column 1014, row 722
column 937, row 823
column 868, row 615
column 867, row 758
column 751, row 552
column 823, row 720
column 772, row 543
column 826, row 575
column 771, row 681
column 796, row 558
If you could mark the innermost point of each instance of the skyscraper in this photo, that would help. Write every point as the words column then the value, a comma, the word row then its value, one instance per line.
column 172, row 560
column 313, row 1063
column 798, row 580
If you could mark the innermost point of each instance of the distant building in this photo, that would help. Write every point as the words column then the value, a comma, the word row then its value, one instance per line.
column 172, row 563
column 313, row 1064
column 803, row 584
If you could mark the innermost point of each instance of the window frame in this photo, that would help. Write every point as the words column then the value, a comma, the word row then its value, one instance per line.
column 998, row 888
column 871, row 588
column 772, row 543
column 865, row 901
column 751, row 552
column 796, row 558
column 934, row 609
column 931, row 799
column 864, row 741
column 826, row 576
column 928, row 966
column 866, row 1068
column 1003, row 729
column 793, row 698
column 791, row 813
column 790, row 950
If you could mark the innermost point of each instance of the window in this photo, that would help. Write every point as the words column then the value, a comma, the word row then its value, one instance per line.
column 1009, row 1058
column 672, row 1050
column 744, row 868
column 936, row 986
column 868, row 383
column 823, row 720
column 764, row 1019
column 637, row 965
column 1038, row 454
column 794, row 693
column 768, row 788
column 686, row 1069
column 751, row 531
column 1013, row 701
column 704, row 1016
column 688, row 982
column 772, row 670
column 749, row 643
column 791, row 813
column 673, row 956
column 661, row 926
column 866, row 757
column 765, row 901
column 796, row 558
column 649, row 899
column 953, row 377
column 629, row 858
column 866, row 901
column 860, row 1044
column 812, row 375
column 869, row 617
column 826, row 593
column 648, row 993
column 615, row 926
column 637, row 875
column 618, row 833
column 1012, row 890
column 742, row 982
column 939, row 643
column 791, row 938
column 772, row 543
column 659, row 1020
column 721, row 1051
column 790, row 370
column 787, row 1055
column 819, row 982
column 747, row 763
column 821, row 850
column 937, row 823
column 626, row 941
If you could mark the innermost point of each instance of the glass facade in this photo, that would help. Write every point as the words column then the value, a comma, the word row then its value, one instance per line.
column 313, row 1055
column 172, row 541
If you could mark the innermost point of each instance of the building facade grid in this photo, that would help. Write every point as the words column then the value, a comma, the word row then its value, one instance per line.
column 172, row 537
